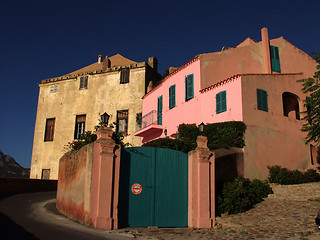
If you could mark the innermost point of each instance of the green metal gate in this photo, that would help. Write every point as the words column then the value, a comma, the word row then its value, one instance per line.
column 153, row 188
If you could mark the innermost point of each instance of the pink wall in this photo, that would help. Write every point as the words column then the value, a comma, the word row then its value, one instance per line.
column 272, row 138
column 184, row 111
column 201, row 108
column 234, row 102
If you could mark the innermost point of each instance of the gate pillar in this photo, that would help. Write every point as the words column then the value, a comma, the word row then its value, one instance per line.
column 105, row 181
column 201, row 193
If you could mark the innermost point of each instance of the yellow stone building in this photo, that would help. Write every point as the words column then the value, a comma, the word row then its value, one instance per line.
column 72, row 104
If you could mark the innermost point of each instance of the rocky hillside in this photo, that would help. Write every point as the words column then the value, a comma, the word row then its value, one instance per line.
column 10, row 168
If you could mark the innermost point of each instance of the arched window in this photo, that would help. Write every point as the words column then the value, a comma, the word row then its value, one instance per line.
column 290, row 105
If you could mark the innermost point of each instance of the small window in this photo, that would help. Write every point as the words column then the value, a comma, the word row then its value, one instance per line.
column 122, row 122
column 262, row 100
column 45, row 175
column 221, row 102
column 275, row 59
column 83, row 82
column 159, row 113
column 124, row 75
column 172, row 96
column 189, row 87
column 49, row 132
column 80, row 126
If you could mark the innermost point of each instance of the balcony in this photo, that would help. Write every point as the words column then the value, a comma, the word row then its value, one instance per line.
column 149, row 126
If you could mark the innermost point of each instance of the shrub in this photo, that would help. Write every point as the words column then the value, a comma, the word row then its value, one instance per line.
column 225, row 135
column 284, row 176
column 241, row 195
column 188, row 133
column 174, row 144
column 220, row 135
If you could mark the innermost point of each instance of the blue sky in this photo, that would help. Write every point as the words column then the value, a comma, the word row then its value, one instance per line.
column 43, row 39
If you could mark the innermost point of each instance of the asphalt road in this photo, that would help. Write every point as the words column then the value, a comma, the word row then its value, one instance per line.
column 34, row 216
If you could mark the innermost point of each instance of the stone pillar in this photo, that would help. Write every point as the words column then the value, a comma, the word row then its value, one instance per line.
column 201, row 193
column 105, row 181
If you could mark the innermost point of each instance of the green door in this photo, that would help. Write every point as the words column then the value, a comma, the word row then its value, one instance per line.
column 153, row 188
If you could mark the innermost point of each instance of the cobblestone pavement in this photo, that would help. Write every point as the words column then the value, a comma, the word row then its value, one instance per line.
column 289, row 213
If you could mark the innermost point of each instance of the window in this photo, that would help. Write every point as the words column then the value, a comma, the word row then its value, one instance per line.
column 275, row 59
column 80, row 126
column 159, row 113
column 122, row 122
column 189, row 87
column 45, row 174
column 291, row 105
column 83, row 82
column 124, row 75
column 221, row 102
column 262, row 100
column 49, row 132
column 172, row 96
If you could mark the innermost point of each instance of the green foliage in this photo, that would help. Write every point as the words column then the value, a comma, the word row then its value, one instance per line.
column 84, row 139
column 220, row 135
column 311, row 86
column 242, row 194
column 188, row 133
column 89, row 137
column 225, row 135
column 284, row 176
column 174, row 144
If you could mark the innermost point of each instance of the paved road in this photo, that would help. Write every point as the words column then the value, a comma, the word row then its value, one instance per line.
column 33, row 216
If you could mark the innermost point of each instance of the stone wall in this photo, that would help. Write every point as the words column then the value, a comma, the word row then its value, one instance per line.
column 88, row 183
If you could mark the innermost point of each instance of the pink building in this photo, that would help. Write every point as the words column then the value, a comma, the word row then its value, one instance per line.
column 254, row 82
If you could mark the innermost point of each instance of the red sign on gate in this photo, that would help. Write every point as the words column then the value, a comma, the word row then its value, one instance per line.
column 136, row 188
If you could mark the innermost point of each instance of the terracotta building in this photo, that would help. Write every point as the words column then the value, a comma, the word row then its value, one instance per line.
column 254, row 82
column 72, row 104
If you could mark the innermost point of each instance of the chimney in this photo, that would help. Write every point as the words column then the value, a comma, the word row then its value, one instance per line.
column 99, row 58
column 106, row 63
column 266, row 50
column 172, row 69
column 153, row 62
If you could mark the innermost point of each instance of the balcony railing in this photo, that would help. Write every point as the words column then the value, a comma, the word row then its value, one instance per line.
column 149, row 118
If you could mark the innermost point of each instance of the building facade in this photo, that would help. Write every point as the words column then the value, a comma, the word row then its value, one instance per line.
column 72, row 104
column 254, row 82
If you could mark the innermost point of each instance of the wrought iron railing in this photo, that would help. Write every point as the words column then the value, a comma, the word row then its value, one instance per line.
column 149, row 118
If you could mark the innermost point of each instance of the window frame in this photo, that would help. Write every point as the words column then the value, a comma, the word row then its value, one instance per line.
column 124, row 75
column 262, row 100
column 83, row 82
column 189, row 87
column 221, row 102
column 80, row 126
column 172, row 96
column 49, row 129
column 123, row 115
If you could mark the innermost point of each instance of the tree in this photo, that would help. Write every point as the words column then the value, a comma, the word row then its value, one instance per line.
column 311, row 86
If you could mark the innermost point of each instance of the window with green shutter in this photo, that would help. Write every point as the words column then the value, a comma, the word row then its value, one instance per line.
column 172, row 96
column 221, row 102
column 189, row 87
column 275, row 59
column 159, row 113
column 262, row 99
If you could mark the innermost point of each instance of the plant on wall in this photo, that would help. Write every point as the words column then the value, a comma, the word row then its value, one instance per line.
column 220, row 135
column 89, row 137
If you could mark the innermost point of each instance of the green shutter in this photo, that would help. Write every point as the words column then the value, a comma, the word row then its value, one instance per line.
column 275, row 59
column 159, row 114
column 262, row 100
column 172, row 96
column 189, row 87
column 221, row 102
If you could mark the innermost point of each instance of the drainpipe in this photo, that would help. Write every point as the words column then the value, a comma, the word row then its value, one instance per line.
column 266, row 50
